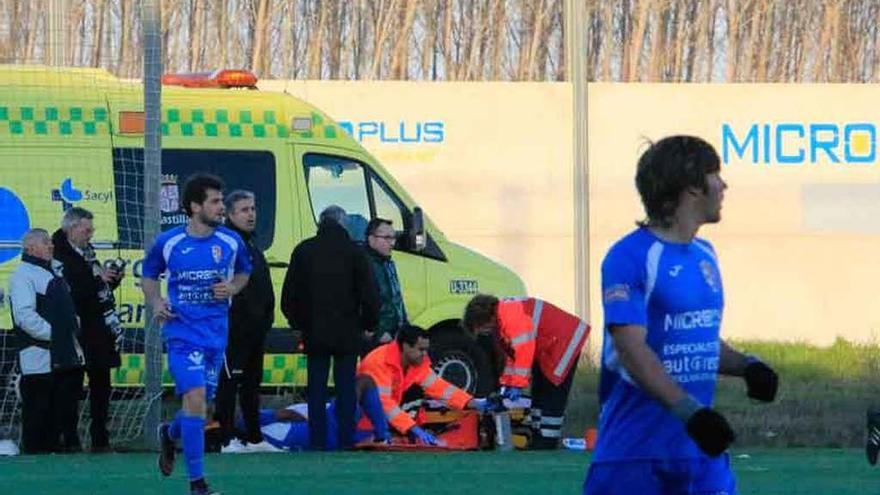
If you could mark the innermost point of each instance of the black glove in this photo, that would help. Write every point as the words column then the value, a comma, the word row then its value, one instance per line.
column 495, row 403
column 710, row 431
column 708, row 428
column 761, row 380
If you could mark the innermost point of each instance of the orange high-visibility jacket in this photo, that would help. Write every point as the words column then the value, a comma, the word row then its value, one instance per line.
column 536, row 329
column 384, row 367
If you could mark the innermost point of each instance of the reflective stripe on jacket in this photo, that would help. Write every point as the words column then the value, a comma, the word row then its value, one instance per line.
column 538, row 330
column 383, row 365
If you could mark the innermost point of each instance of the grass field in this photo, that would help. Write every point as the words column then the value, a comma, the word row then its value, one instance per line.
column 759, row 471
column 821, row 404
column 823, row 395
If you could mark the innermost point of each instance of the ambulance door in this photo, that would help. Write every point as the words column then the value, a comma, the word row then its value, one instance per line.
column 336, row 177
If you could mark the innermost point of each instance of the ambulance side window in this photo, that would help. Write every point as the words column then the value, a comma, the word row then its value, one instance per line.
column 252, row 171
column 387, row 205
column 339, row 181
column 345, row 182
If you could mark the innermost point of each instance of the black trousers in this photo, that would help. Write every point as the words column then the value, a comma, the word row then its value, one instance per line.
column 344, row 367
column 549, row 401
column 99, row 405
column 50, row 412
column 243, row 382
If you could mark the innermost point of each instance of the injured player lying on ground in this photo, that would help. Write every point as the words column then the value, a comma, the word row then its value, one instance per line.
column 286, row 429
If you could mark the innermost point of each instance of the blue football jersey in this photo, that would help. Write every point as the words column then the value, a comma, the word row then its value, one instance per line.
column 673, row 290
column 193, row 265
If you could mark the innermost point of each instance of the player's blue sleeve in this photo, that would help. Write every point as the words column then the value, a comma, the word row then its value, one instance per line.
column 243, row 263
column 623, row 288
column 154, row 261
column 267, row 417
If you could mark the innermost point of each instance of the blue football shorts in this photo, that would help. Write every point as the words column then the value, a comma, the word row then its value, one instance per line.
column 192, row 367
column 703, row 476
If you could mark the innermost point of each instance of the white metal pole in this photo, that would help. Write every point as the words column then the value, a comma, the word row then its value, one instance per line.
column 151, row 16
column 576, row 59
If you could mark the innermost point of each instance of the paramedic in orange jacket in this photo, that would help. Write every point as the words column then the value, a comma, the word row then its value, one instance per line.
column 396, row 366
column 540, row 344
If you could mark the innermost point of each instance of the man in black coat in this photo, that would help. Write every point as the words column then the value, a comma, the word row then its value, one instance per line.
column 250, row 319
column 330, row 295
column 92, row 285
column 50, row 357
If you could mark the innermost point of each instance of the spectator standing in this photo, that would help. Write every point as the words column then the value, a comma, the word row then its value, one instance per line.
column 92, row 286
column 330, row 295
column 250, row 319
column 50, row 357
column 392, row 313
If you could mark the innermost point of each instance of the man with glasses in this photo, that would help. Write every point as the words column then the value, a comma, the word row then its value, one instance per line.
column 381, row 238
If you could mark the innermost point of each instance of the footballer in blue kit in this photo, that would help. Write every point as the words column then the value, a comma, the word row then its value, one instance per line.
column 288, row 429
column 205, row 265
column 663, row 302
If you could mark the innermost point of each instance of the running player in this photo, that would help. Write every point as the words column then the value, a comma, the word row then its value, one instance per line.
column 206, row 264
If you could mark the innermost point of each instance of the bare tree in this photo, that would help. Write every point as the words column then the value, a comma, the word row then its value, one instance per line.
column 627, row 40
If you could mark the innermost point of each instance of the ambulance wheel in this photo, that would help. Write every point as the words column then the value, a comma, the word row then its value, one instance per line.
column 460, row 361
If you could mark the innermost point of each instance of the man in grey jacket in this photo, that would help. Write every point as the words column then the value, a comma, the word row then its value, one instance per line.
column 51, row 360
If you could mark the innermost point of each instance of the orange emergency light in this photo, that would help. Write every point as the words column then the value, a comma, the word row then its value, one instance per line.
column 226, row 78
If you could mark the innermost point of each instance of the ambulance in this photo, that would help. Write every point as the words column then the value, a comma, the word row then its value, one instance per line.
column 75, row 137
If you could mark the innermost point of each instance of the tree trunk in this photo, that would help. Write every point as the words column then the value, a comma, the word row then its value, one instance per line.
column 400, row 56
column 732, row 40
column 260, row 33
column 430, row 13
column 479, row 22
column 499, row 31
column 354, row 39
column 34, row 21
column 607, row 40
column 335, row 38
column 638, row 37
column 98, row 33
column 656, row 60
column 197, row 27
column 382, row 22
column 826, row 42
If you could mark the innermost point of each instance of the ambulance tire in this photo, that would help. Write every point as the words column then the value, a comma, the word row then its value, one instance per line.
column 459, row 360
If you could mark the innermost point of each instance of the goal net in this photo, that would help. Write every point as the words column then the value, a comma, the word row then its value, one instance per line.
column 73, row 136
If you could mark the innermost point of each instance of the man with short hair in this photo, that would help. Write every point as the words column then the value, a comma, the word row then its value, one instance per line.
column 330, row 296
column 92, row 286
column 539, row 345
column 50, row 358
column 392, row 313
column 206, row 265
column 396, row 366
column 250, row 319
column 663, row 300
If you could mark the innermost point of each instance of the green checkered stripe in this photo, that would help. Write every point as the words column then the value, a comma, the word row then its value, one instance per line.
column 240, row 123
column 223, row 123
column 278, row 370
column 53, row 121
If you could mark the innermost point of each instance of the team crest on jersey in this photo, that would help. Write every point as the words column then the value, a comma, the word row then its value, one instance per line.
column 616, row 293
column 709, row 275
column 217, row 253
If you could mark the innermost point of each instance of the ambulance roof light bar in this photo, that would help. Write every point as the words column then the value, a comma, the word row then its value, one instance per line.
column 226, row 78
